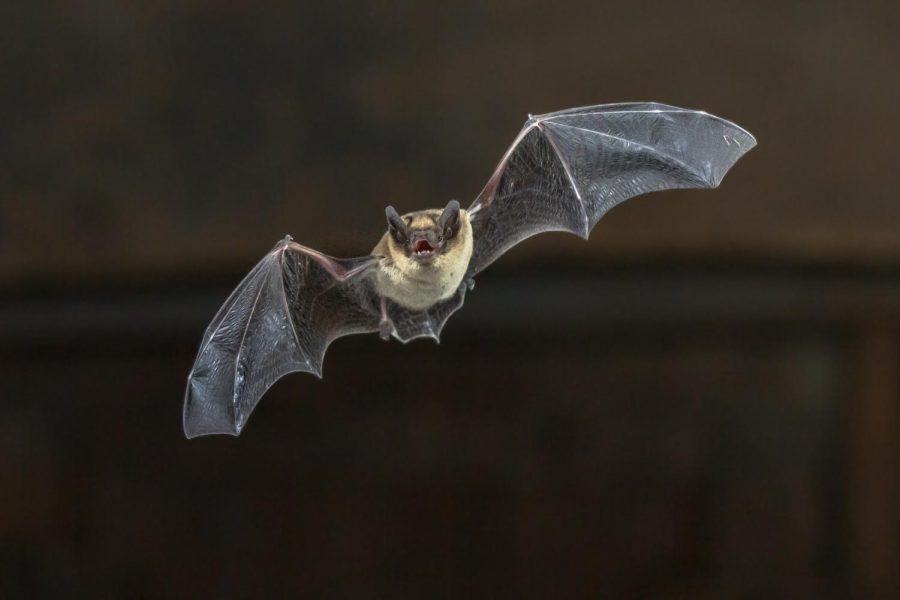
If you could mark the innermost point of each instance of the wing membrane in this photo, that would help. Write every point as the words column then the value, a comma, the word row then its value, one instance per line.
column 280, row 319
column 567, row 169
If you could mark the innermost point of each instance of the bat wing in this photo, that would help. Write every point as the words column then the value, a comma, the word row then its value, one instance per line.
column 411, row 324
column 280, row 319
column 566, row 169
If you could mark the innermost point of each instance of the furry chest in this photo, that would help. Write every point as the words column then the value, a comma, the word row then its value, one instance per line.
column 417, row 288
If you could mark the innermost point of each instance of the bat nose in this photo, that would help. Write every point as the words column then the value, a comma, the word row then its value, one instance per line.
column 423, row 234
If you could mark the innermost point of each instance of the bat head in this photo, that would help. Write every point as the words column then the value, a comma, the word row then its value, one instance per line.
column 426, row 234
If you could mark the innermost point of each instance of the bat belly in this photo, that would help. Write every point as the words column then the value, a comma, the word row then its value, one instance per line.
column 417, row 288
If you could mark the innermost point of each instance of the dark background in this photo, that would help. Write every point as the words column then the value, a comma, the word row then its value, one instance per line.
column 701, row 402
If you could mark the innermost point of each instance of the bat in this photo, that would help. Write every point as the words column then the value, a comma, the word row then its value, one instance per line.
column 563, row 172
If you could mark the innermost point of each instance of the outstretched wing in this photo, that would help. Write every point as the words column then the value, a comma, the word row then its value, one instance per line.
column 280, row 319
column 566, row 169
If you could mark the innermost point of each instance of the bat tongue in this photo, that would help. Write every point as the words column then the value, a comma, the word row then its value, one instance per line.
column 422, row 246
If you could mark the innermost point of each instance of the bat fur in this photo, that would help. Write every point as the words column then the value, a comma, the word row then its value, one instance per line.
column 420, row 285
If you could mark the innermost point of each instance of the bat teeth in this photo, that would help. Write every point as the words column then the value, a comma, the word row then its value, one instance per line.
column 422, row 248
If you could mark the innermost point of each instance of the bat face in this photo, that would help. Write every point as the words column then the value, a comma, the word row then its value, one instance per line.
column 423, row 256
column 426, row 235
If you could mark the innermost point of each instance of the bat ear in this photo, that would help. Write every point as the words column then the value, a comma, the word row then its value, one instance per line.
column 450, row 216
column 395, row 223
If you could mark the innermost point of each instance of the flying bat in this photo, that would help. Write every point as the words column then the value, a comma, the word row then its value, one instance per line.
column 563, row 172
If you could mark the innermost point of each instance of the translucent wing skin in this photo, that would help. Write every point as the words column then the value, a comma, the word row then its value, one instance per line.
column 566, row 169
column 280, row 319
column 412, row 324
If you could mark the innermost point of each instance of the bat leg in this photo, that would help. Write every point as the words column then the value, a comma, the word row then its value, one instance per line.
column 385, row 327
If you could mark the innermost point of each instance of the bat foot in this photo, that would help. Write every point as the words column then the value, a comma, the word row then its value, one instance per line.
column 385, row 329
column 470, row 283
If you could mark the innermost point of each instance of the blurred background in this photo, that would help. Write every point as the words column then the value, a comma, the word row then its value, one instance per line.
column 701, row 402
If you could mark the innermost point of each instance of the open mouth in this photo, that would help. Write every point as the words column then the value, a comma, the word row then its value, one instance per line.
column 422, row 248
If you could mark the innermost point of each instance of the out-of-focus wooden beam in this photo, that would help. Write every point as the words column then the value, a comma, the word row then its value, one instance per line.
column 874, row 463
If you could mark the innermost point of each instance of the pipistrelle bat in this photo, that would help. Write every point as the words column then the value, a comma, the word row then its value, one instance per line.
column 563, row 172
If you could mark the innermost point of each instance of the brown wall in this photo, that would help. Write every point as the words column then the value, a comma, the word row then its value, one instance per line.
column 143, row 136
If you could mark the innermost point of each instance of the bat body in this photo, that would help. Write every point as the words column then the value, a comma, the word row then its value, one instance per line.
column 563, row 172
column 423, row 278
